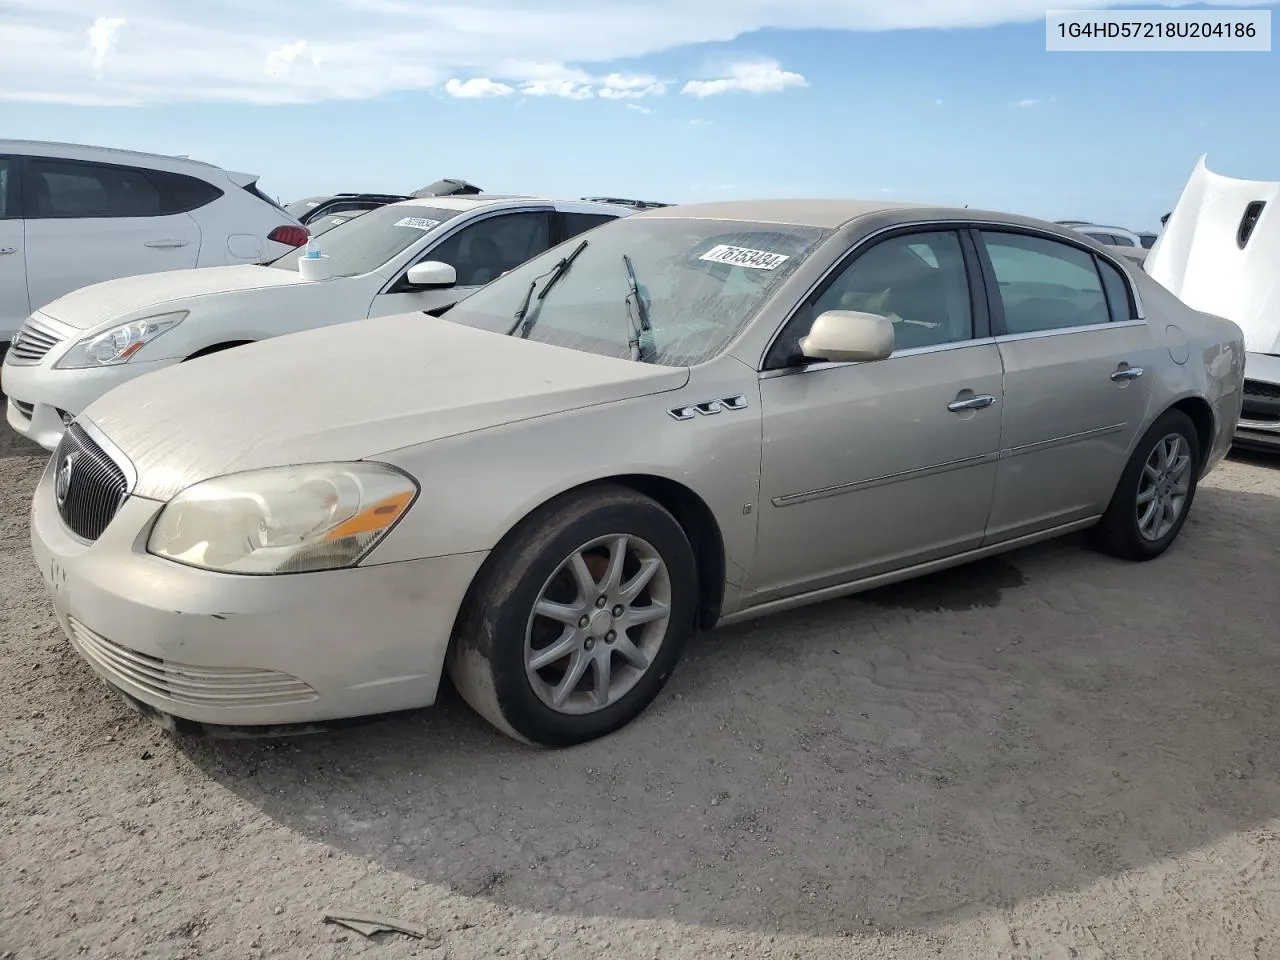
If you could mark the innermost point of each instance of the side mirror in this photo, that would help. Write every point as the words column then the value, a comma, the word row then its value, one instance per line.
column 431, row 275
column 845, row 336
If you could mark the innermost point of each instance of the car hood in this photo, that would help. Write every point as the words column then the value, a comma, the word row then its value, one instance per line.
column 349, row 392
column 99, row 303
column 1200, row 259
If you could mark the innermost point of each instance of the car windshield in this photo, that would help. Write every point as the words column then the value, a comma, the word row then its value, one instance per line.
column 322, row 226
column 365, row 243
column 701, row 282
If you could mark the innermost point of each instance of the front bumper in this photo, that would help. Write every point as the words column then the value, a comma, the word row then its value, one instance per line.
column 40, row 395
column 246, row 651
column 1259, row 424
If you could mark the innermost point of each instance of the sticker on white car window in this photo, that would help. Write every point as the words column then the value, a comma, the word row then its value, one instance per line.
column 337, row 220
column 421, row 223
column 313, row 203
column 745, row 257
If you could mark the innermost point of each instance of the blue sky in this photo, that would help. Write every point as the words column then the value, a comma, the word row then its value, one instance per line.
column 564, row 98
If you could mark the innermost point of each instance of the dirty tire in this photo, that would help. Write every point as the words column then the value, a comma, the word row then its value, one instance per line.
column 487, row 657
column 1117, row 533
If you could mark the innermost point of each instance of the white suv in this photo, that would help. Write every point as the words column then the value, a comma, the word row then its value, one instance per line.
column 75, row 215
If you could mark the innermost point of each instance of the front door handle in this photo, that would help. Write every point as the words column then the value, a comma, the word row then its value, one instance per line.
column 4, row 250
column 1126, row 372
column 979, row 402
column 166, row 243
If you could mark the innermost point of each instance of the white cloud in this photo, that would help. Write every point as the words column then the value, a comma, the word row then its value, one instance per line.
column 280, row 62
column 566, row 88
column 755, row 76
column 1029, row 102
column 638, row 109
column 476, row 88
column 937, row 103
column 209, row 51
column 102, row 37
column 616, row 86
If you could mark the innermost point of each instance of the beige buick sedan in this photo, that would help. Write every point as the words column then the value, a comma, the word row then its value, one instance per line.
column 690, row 417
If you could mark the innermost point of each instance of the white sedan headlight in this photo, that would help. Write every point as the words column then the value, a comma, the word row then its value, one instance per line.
column 283, row 520
column 119, row 343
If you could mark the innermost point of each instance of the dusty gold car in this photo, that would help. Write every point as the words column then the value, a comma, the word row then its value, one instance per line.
column 689, row 417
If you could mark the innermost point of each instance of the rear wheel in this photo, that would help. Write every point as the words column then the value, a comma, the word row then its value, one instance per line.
column 577, row 624
column 1155, row 492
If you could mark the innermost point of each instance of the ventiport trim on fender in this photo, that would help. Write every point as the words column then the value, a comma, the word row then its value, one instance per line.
column 708, row 408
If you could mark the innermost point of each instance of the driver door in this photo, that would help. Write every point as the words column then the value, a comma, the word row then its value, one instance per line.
column 872, row 467
column 480, row 250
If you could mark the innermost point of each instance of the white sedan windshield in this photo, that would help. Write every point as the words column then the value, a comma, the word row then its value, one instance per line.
column 701, row 282
column 365, row 243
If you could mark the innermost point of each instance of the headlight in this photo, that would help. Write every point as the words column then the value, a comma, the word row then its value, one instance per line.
column 284, row 520
column 118, row 344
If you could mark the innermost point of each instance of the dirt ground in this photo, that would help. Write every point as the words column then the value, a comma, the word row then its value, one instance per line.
column 1050, row 755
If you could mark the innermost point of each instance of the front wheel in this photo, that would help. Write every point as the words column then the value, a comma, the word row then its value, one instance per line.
column 577, row 623
column 1155, row 492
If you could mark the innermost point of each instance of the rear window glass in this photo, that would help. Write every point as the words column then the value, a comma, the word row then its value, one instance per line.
column 372, row 239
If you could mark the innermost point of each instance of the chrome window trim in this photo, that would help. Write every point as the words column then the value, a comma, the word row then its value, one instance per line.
column 954, row 225
column 1067, row 331
column 911, row 352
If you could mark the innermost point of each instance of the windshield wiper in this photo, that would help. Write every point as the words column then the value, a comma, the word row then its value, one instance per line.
column 553, row 275
column 639, row 318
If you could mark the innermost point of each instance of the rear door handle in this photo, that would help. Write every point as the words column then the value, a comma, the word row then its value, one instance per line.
column 1127, row 373
column 166, row 243
column 980, row 402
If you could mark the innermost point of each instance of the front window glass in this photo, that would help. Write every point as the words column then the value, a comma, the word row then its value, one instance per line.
column 365, row 243
column 701, row 283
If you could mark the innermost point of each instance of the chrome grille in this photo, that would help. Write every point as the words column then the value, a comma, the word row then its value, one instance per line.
column 1258, row 388
column 32, row 341
column 184, row 683
column 88, row 485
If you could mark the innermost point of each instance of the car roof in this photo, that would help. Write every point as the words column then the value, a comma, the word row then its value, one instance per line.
column 830, row 214
column 108, row 153
column 464, row 204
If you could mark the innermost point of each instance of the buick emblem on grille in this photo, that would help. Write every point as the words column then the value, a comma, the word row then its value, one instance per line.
column 62, row 480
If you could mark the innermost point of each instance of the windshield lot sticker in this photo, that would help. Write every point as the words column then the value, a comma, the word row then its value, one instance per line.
column 745, row 257
column 337, row 220
column 421, row 223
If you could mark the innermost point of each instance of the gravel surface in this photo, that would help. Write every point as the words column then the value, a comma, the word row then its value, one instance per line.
column 1048, row 755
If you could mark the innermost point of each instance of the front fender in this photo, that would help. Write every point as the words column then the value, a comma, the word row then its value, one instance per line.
column 478, row 486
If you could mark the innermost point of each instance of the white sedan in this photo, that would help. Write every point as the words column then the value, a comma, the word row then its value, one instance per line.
column 419, row 255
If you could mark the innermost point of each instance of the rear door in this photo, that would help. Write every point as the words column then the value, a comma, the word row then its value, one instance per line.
column 89, row 222
column 14, row 305
column 480, row 250
column 1078, row 364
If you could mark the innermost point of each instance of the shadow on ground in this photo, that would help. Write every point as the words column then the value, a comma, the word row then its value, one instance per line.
column 1021, row 726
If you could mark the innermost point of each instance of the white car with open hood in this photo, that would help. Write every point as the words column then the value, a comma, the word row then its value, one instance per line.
column 1220, row 253
column 419, row 255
